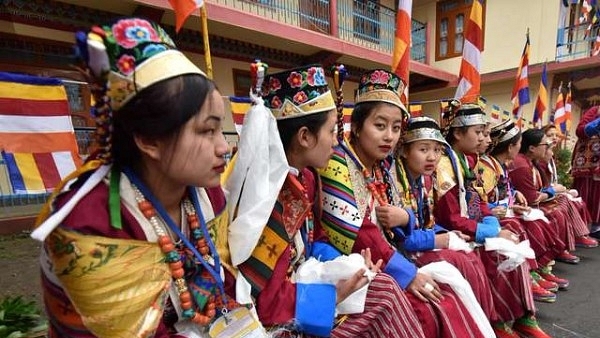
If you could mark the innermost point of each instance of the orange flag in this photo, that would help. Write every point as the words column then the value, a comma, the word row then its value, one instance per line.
column 183, row 9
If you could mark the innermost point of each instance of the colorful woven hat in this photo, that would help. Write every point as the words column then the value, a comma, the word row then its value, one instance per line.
column 132, row 54
column 468, row 115
column 504, row 131
column 380, row 85
column 297, row 92
column 422, row 128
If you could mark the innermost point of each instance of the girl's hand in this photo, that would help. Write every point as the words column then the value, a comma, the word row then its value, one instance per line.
column 425, row 288
column 390, row 216
column 520, row 198
column 346, row 287
column 507, row 234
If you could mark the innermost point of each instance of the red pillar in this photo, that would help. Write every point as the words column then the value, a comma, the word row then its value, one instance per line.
column 333, row 18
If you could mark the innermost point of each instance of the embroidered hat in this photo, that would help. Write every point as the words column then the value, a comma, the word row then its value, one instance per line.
column 503, row 132
column 422, row 128
column 297, row 92
column 467, row 115
column 131, row 54
column 380, row 85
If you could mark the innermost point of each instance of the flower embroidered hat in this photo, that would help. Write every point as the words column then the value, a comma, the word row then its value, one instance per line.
column 422, row 128
column 297, row 92
column 380, row 85
column 131, row 54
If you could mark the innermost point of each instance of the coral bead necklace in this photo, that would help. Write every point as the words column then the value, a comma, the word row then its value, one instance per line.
column 201, row 253
column 173, row 259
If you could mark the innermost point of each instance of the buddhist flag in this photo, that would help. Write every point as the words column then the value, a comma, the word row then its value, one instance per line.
column 520, row 92
column 415, row 110
column 36, row 133
column 401, row 54
column 566, row 124
column 469, row 82
column 542, row 101
column 183, row 9
column 495, row 112
column 559, row 108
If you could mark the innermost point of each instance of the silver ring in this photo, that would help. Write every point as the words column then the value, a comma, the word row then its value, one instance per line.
column 428, row 287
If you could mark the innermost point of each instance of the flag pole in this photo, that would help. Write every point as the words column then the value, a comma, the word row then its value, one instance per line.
column 207, row 57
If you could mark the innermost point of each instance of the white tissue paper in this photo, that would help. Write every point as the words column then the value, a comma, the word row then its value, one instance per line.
column 331, row 272
column 456, row 243
column 444, row 272
column 515, row 254
column 535, row 214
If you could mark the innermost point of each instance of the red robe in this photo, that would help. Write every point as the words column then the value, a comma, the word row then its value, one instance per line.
column 387, row 313
column 511, row 290
column 527, row 179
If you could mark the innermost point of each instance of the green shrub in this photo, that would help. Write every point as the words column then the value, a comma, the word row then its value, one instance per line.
column 563, row 166
column 20, row 318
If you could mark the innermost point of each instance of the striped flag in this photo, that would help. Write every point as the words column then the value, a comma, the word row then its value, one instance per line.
column 542, row 101
column 495, row 112
column 566, row 125
column 520, row 92
column 401, row 55
column 36, row 132
column 183, row 9
column 469, row 82
column 415, row 110
column 559, row 108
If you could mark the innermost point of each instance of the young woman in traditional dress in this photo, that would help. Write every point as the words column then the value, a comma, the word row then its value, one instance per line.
column 526, row 178
column 135, row 246
column 361, row 204
column 543, row 237
column 425, row 240
column 459, row 206
column 576, row 206
column 305, row 111
column 585, row 166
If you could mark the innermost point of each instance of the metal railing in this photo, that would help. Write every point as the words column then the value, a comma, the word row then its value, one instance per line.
column 363, row 23
column 575, row 42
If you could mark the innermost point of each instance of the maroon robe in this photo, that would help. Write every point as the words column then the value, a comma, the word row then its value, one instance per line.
column 527, row 179
column 511, row 290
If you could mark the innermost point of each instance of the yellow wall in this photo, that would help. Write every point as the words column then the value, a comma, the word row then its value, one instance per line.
column 506, row 24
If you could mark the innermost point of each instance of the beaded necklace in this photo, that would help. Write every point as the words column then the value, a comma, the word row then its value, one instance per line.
column 416, row 196
column 201, row 249
column 374, row 179
column 306, row 232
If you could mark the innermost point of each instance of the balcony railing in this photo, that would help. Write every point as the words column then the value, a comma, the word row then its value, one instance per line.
column 364, row 23
column 575, row 42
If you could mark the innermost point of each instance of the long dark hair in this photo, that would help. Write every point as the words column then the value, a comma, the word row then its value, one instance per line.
column 157, row 112
column 288, row 128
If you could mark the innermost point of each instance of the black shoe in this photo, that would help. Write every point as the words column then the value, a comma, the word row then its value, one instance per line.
column 595, row 235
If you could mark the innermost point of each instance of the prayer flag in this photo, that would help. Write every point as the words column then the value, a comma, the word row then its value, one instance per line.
column 469, row 82
column 559, row 110
column 401, row 54
column 416, row 110
column 542, row 101
column 495, row 112
column 183, row 9
column 520, row 92
column 36, row 132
